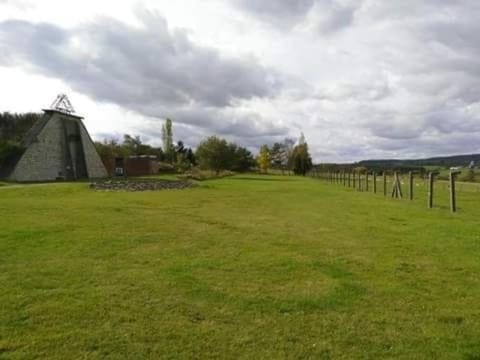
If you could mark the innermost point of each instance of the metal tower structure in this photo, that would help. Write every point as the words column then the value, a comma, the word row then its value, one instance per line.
column 62, row 104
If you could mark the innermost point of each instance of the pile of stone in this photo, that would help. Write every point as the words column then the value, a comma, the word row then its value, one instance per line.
column 140, row 185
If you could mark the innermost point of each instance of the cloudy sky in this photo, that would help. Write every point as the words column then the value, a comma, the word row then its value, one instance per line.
column 361, row 78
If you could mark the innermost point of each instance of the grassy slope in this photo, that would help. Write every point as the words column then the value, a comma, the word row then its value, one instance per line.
column 264, row 267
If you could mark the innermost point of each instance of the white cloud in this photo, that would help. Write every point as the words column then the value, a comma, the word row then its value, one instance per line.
column 362, row 79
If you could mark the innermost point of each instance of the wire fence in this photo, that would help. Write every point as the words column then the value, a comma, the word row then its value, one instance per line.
column 404, row 186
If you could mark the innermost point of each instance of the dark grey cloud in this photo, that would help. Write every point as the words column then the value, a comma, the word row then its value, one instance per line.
column 368, row 78
column 115, row 62
column 156, row 71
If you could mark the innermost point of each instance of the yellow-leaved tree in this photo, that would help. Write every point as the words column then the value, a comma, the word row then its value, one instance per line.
column 263, row 158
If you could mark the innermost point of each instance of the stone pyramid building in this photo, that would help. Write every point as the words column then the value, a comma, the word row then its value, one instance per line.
column 57, row 147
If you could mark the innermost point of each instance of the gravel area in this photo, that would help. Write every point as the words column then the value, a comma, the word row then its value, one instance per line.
column 140, row 185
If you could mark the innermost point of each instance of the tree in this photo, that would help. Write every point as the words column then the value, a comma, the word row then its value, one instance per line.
column 242, row 158
column 14, row 126
column 131, row 145
column 360, row 170
column 167, row 139
column 277, row 155
column 191, row 157
column 263, row 158
column 184, row 158
column 180, row 148
column 287, row 161
column 302, row 162
column 214, row 154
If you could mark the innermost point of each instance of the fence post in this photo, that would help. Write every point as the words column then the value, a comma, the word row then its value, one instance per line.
column 431, row 178
column 384, row 183
column 366, row 181
column 396, row 187
column 410, row 179
column 374, row 182
column 354, row 177
column 453, row 197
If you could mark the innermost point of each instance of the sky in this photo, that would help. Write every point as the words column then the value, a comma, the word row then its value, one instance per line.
column 362, row 79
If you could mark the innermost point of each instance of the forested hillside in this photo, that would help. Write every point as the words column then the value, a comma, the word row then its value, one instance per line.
column 13, row 126
column 446, row 161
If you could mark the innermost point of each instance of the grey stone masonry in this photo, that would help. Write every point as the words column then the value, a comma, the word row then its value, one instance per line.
column 95, row 167
column 54, row 152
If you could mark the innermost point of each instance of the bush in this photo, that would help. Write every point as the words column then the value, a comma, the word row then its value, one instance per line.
column 164, row 167
column 201, row 175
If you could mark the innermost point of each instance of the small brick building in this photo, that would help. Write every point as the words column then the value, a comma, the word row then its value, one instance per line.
column 132, row 166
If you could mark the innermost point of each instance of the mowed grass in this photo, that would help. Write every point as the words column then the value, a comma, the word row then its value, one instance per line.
column 243, row 267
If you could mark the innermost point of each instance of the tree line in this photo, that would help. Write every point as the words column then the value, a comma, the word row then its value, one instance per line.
column 13, row 128
column 213, row 153
column 286, row 156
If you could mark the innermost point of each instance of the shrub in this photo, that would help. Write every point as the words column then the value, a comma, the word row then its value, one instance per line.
column 201, row 175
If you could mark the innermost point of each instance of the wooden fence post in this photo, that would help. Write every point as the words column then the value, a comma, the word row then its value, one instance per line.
column 374, row 182
column 354, row 176
column 384, row 183
column 349, row 179
column 453, row 197
column 431, row 178
column 396, row 189
column 410, row 180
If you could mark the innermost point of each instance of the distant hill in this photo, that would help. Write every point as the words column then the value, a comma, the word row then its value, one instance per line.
column 443, row 161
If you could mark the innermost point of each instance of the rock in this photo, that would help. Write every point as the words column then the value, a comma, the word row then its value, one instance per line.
column 140, row 185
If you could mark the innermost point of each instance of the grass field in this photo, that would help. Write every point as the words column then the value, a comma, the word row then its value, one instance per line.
column 243, row 267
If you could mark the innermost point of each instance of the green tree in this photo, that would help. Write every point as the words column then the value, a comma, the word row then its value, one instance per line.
column 191, row 157
column 263, row 158
column 131, row 145
column 14, row 126
column 214, row 154
column 302, row 161
column 287, row 161
column 277, row 155
column 184, row 158
column 241, row 158
column 167, row 139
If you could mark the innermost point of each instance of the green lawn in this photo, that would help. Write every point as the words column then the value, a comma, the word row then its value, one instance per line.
column 243, row 267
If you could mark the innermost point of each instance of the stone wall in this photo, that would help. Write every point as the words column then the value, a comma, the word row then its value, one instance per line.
column 95, row 167
column 45, row 158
